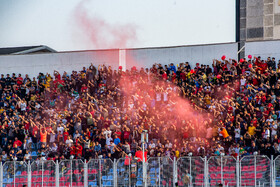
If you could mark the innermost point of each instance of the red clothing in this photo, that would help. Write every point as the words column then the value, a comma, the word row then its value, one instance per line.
column 19, row 81
column 254, row 121
column 126, row 135
column 88, row 134
column 79, row 150
column 139, row 154
column 263, row 99
column 261, row 66
column 230, row 109
column 224, row 67
column 164, row 76
column 234, row 155
column 173, row 77
column 266, row 113
column 73, row 150
column 264, row 66
column 26, row 126
column 255, row 82
column 65, row 135
column 119, row 134
column 183, row 76
column 102, row 85
column 18, row 143
column 57, row 76
column 92, row 113
column 35, row 128
column 84, row 88
column 127, row 160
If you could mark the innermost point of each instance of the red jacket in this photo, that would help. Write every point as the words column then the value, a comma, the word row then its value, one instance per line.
column 72, row 150
column 79, row 150
column 18, row 143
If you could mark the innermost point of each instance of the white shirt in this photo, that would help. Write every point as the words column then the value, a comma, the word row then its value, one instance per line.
column 37, row 105
column 207, row 87
column 23, row 106
column 168, row 145
column 153, row 145
column 60, row 129
column 220, row 149
column 274, row 132
column 242, row 82
column 27, row 156
column 69, row 142
column 53, row 149
column 108, row 140
column 237, row 133
column 237, row 149
column 269, row 120
column 267, row 133
column 29, row 140
column 52, row 137
column 107, row 133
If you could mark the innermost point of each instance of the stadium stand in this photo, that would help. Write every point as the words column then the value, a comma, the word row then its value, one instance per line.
column 230, row 114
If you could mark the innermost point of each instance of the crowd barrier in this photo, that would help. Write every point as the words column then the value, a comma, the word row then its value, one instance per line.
column 193, row 171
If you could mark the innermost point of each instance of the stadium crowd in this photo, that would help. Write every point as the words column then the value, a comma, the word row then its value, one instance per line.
column 101, row 112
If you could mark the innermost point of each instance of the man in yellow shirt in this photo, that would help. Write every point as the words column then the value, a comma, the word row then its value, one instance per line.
column 251, row 129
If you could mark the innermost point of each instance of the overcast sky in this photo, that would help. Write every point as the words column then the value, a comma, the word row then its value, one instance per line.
column 67, row 25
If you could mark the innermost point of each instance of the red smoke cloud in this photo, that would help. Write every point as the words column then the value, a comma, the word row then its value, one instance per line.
column 177, row 112
column 96, row 33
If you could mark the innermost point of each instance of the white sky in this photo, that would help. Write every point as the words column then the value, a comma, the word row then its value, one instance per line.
column 158, row 22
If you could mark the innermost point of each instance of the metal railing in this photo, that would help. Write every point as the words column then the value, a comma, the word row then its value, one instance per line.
column 253, row 170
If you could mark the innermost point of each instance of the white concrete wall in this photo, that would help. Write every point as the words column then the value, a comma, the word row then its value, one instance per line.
column 65, row 61
column 202, row 54
column 264, row 49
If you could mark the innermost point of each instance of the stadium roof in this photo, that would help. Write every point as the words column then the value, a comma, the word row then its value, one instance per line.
column 26, row 50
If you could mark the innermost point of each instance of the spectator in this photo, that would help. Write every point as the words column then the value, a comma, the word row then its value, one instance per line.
column 81, row 112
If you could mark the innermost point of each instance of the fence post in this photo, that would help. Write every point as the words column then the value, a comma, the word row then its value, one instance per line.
column 205, row 172
column 85, row 173
column 129, row 172
column 144, row 171
column 71, row 172
column 115, row 174
column 29, row 174
column 237, row 171
column 1, row 174
column 272, row 181
column 159, row 171
column 14, row 174
column 222, row 178
column 99, row 161
column 274, row 170
column 42, row 172
column 255, row 170
column 57, row 173
column 190, row 170
column 175, row 177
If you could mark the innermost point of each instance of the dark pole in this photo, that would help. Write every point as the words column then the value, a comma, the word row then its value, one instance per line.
column 237, row 24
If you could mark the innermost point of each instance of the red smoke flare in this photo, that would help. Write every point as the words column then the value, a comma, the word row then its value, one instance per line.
column 177, row 112
column 96, row 33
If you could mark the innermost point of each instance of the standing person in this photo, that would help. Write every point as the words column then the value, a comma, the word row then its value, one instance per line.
column 43, row 136
column 187, row 178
